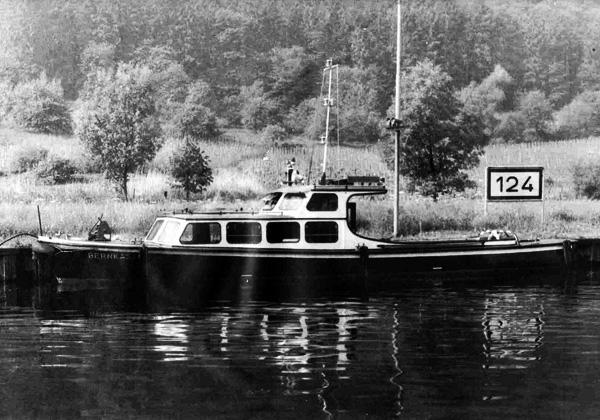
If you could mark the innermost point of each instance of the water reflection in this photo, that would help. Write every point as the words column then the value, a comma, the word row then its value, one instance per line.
column 513, row 331
column 434, row 352
column 172, row 335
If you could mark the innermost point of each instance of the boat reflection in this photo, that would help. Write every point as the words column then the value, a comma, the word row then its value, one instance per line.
column 322, row 356
column 171, row 333
column 513, row 330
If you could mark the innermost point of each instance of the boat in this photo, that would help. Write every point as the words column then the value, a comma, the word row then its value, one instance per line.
column 301, row 233
column 302, row 240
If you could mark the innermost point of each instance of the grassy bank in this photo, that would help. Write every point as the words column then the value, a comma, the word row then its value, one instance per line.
column 242, row 175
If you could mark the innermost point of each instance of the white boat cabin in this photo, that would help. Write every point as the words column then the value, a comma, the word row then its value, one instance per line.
column 307, row 217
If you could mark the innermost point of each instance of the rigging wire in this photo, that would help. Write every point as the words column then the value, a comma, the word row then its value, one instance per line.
column 337, row 113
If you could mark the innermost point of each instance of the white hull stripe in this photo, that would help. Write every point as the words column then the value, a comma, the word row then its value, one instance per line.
column 355, row 254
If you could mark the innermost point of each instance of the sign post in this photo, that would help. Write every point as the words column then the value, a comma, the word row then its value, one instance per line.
column 508, row 183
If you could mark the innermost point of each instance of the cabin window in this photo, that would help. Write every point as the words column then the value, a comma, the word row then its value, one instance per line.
column 201, row 234
column 154, row 230
column 169, row 231
column 270, row 201
column 292, row 201
column 283, row 232
column 321, row 232
column 244, row 233
column 323, row 202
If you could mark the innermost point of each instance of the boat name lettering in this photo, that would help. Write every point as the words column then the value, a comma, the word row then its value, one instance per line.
column 111, row 256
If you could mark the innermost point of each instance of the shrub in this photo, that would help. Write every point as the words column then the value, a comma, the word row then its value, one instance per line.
column 190, row 167
column 28, row 158
column 38, row 105
column 56, row 170
column 586, row 178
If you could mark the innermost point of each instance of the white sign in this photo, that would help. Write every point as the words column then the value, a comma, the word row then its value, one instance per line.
column 514, row 183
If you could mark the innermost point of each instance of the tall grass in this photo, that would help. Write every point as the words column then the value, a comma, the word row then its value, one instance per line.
column 245, row 168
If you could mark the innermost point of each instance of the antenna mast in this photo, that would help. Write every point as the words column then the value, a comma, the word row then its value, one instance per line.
column 397, row 116
column 328, row 102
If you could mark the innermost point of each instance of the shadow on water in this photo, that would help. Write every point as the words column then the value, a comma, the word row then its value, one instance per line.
column 487, row 347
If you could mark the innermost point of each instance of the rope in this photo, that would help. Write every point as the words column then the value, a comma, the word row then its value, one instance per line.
column 16, row 236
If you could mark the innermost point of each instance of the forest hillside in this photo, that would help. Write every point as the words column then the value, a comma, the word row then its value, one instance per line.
column 530, row 68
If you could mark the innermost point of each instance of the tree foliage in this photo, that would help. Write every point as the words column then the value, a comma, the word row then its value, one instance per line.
column 547, row 46
column 190, row 167
column 38, row 105
column 439, row 138
column 119, row 124
column 581, row 117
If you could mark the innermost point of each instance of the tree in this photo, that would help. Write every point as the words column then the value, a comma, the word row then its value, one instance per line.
column 293, row 77
column 439, row 138
column 118, row 122
column 486, row 98
column 190, row 167
column 194, row 117
column 257, row 109
column 38, row 105
column 536, row 108
column 581, row 117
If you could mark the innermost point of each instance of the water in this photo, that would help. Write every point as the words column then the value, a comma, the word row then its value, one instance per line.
column 423, row 352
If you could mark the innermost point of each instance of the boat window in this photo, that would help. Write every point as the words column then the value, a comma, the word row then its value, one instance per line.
column 323, row 202
column 321, row 232
column 270, row 201
column 201, row 233
column 154, row 230
column 283, row 232
column 244, row 233
column 292, row 201
column 167, row 233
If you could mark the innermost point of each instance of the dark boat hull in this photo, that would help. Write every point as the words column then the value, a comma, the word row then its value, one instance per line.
column 99, row 263
column 175, row 273
column 190, row 275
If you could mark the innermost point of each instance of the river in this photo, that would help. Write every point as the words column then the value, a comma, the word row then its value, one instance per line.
column 424, row 351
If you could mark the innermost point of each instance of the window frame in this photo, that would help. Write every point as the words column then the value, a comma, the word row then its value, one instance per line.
column 320, row 195
column 167, row 234
column 309, row 237
column 269, row 233
column 210, row 233
column 297, row 203
column 228, row 237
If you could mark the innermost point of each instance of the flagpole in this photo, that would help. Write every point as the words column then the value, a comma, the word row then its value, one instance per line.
column 397, row 115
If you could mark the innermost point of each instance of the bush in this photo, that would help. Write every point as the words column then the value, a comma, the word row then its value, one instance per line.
column 56, row 170
column 190, row 167
column 586, row 178
column 38, row 105
column 28, row 158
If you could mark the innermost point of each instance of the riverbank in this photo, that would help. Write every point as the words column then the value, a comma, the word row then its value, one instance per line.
column 245, row 168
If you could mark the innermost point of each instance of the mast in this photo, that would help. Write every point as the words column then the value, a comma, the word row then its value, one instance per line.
column 328, row 102
column 397, row 116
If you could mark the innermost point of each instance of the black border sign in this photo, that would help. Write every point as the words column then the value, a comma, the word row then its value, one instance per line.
column 506, row 183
